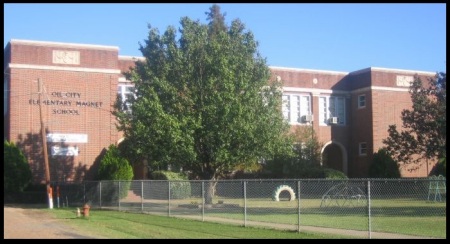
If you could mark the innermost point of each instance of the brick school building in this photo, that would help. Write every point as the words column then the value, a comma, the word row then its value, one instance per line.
column 71, row 89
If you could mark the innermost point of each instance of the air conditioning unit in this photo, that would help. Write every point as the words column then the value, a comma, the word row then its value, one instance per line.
column 308, row 118
column 333, row 120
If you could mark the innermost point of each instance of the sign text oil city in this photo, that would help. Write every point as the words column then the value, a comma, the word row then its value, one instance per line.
column 65, row 101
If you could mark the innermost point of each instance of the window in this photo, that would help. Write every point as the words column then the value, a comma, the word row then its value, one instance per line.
column 362, row 148
column 295, row 107
column 300, row 149
column 266, row 93
column 332, row 110
column 124, row 90
column 361, row 101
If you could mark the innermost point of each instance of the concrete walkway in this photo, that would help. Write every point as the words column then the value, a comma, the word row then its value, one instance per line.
column 343, row 232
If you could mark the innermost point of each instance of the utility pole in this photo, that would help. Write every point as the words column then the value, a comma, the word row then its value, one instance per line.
column 44, row 148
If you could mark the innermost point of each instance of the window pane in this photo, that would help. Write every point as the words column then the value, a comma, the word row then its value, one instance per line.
column 286, row 107
column 363, row 148
column 129, row 89
column 124, row 90
column 305, row 106
column 332, row 107
column 295, row 109
column 340, row 110
column 323, row 110
column 361, row 101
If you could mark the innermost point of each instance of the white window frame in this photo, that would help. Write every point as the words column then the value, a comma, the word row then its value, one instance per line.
column 332, row 106
column 362, row 149
column 362, row 101
column 123, row 91
column 295, row 106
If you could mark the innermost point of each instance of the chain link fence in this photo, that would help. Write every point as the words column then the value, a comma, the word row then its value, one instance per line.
column 363, row 208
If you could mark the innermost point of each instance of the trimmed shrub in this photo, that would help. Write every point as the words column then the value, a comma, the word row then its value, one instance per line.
column 180, row 187
column 440, row 168
column 116, row 168
column 383, row 166
column 334, row 174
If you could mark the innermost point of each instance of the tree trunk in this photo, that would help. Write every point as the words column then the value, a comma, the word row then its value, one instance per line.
column 210, row 191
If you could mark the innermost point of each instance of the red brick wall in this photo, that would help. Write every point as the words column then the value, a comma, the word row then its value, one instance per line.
column 304, row 78
column 361, row 131
column 387, row 106
column 385, row 100
column 97, row 88
column 126, row 62
column 41, row 53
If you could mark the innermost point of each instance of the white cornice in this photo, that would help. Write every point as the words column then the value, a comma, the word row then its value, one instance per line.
column 61, row 68
column 403, row 71
column 314, row 91
column 132, row 58
column 380, row 88
column 387, row 70
column 308, row 70
column 63, row 44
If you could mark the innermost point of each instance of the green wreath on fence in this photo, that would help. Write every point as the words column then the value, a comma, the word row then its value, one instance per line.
column 281, row 188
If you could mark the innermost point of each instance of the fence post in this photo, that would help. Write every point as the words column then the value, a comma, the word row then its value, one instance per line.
column 245, row 203
column 142, row 195
column 168, row 202
column 298, row 199
column 100, row 192
column 203, row 200
column 118, row 196
column 368, row 205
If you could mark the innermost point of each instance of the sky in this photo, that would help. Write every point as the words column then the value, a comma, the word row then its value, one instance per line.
column 333, row 37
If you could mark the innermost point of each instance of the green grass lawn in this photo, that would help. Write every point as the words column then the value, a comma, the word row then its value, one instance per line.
column 401, row 216
column 123, row 225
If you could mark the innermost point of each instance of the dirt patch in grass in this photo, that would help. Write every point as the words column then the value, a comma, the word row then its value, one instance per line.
column 33, row 222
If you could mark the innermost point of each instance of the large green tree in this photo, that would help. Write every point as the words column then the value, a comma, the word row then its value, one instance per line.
column 16, row 170
column 424, row 126
column 205, row 101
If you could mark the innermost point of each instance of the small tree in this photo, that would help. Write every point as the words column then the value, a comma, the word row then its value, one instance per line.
column 115, row 167
column 304, row 161
column 440, row 168
column 16, row 172
column 383, row 166
column 307, row 146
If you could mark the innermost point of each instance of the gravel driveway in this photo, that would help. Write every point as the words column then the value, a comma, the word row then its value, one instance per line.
column 31, row 223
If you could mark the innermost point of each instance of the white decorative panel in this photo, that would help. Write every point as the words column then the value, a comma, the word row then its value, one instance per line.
column 66, row 57
column 404, row 80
